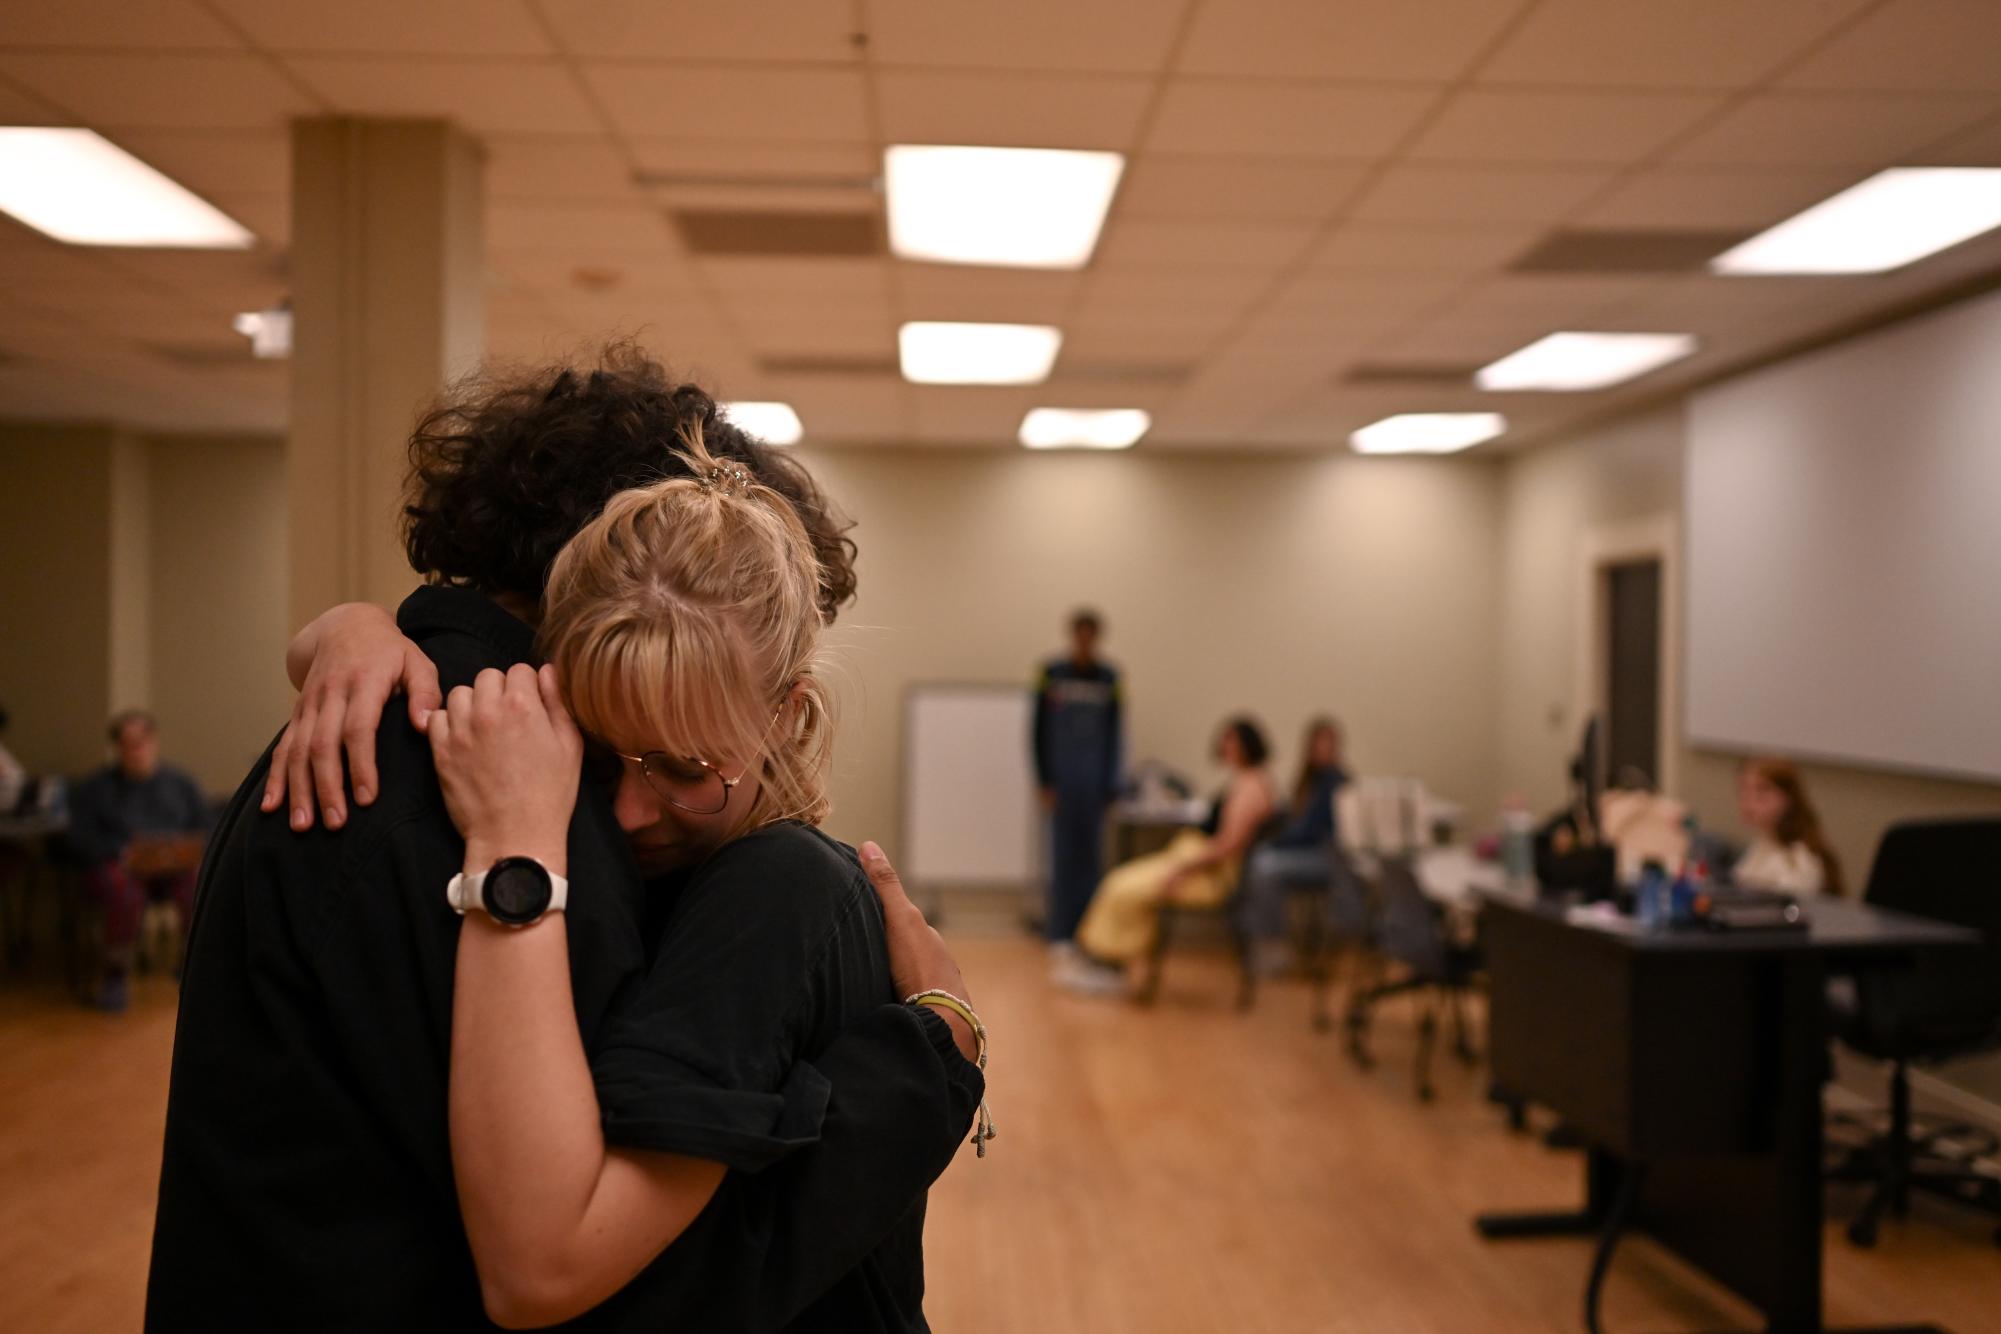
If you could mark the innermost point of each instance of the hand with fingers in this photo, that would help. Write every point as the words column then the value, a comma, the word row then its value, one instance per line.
column 509, row 760
column 918, row 958
column 347, row 663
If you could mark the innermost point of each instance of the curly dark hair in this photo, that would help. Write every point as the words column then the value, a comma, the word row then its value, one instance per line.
column 512, row 462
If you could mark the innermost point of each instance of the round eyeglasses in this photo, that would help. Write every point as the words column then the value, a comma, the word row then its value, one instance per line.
column 691, row 784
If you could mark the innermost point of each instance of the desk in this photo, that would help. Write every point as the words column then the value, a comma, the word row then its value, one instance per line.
column 1690, row 1064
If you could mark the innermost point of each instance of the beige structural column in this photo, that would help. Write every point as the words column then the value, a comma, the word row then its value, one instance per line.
column 387, row 258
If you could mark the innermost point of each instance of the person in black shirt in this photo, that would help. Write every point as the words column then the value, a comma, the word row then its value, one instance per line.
column 1077, row 741
column 136, row 825
column 307, row 1180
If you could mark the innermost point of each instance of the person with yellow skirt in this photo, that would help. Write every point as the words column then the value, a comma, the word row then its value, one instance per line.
column 1199, row 868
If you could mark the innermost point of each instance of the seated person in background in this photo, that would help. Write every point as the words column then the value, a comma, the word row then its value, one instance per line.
column 1788, row 852
column 1301, row 854
column 13, row 778
column 137, row 825
column 1199, row 868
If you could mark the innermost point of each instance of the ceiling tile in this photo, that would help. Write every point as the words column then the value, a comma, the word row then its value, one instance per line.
column 392, row 27
column 1515, row 125
column 1214, row 294
column 580, row 270
column 972, row 292
column 694, row 102
column 762, row 30
column 1911, row 45
column 798, row 278
column 614, row 228
column 1977, row 147
column 20, row 107
column 487, row 96
column 218, row 279
column 1219, row 187
column 1284, row 119
column 817, row 330
column 551, row 169
column 969, row 414
column 1463, row 195
column 1311, row 39
column 1660, row 43
column 1815, row 130
column 112, row 25
column 1112, row 35
column 268, row 216
column 1384, row 248
column 1088, row 340
column 1573, row 301
column 1135, row 243
column 1032, row 111
column 174, row 91
column 842, row 407
column 1722, row 198
column 216, row 162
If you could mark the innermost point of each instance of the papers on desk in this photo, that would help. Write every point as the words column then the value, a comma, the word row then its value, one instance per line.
column 1603, row 915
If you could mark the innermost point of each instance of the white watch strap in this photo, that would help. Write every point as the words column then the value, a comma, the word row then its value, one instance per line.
column 467, row 892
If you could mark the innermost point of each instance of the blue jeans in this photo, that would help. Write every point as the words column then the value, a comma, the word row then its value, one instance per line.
column 1076, row 859
column 1270, row 875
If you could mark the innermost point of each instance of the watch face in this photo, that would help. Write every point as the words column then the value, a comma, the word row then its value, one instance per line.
column 517, row 890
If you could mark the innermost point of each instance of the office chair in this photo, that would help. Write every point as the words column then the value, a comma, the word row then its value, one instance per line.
column 1411, row 933
column 1948, row 1006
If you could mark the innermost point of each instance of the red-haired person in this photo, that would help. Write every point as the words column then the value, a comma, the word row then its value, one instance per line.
column 1788, row 852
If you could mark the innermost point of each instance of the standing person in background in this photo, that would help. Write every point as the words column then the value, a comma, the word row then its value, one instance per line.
column 13, row 778
column 125, row 821
column 1788, row 852
column 1301, row 854
column 1077, row 740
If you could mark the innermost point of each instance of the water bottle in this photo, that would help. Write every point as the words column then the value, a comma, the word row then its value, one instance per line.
column 1518, row 846
column 1650, row 902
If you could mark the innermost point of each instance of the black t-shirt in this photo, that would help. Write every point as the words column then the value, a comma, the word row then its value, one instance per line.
column 307, row 1181
column 765, row 953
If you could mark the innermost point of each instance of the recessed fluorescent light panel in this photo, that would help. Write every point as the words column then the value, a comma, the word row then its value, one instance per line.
column 1428, row 432
column 942, row 352
column 1573, row 362
column 1028, row 208
column 1083, row 428
column 773, row 423
column 79, row 187
column 1892, row 219
column 269, row 332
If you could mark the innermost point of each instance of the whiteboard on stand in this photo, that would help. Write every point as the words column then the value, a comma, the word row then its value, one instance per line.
column 970, row 814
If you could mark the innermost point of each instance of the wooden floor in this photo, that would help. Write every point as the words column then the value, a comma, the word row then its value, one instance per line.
column 1185, row 1169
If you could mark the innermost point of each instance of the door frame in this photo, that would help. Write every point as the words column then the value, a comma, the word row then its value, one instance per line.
column 1655, row 537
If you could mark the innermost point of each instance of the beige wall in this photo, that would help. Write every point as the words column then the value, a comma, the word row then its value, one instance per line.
column 1552, row 498
column 1286, row 586
column 217, row 591
column 148, row 573
column 55, row 592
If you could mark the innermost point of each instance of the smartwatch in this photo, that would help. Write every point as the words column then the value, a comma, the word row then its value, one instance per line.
column 516, row 891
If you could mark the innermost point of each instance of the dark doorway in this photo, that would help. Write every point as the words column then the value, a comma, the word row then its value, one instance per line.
column 1633, row 671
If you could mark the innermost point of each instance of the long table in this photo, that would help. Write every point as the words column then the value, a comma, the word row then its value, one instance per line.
column 1690, row 1065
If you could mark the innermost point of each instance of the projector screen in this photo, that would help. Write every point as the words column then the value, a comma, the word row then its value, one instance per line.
column 1843, row 550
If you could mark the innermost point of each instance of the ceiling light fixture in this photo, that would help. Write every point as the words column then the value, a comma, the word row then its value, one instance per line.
column 1030, row 208
column 1894, row 218
column 1428, row 432
column 79, row 187
column 943, row 352
column 773, row 423
column 1084, row 428
column 1573, row 362
column 269, row 332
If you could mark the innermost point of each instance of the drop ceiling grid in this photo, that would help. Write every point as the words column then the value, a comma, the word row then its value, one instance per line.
column 1547, row 109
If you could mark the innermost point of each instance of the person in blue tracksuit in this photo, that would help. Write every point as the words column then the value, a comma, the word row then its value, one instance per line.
column 1078, row 705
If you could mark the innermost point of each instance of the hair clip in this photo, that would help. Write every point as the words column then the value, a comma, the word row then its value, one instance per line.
column 726, row 478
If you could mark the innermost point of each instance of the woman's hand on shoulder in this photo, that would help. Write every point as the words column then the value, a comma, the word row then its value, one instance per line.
column 508, row 759
column 346, row 663
column 918, row 959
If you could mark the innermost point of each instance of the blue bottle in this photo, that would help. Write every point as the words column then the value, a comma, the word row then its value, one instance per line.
column 1650, row 900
